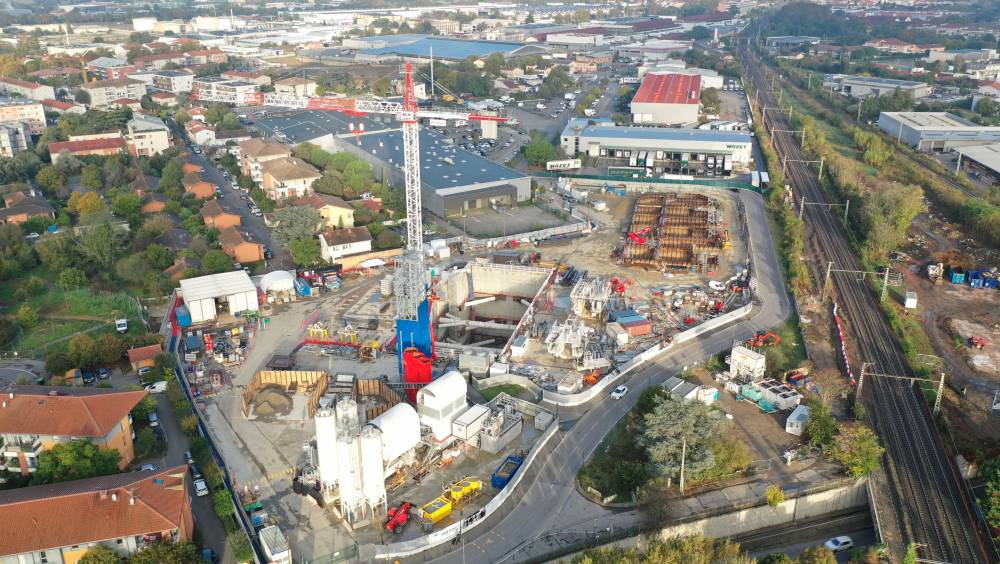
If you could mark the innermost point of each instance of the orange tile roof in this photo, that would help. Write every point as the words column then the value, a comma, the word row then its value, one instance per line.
column 91, row 412
column 57, row 104
column 669, row 89
column 96, row 509
column 147, row 352
column 86, row 145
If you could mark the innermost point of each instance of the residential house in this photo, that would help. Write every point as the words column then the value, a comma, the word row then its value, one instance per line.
column 14, row 138
column 61, row 107
column 337, row 243
column 215, row 217
column 256, row 152
column 147, row 135
column 231, row 137
column 130, row 103
column 153, row 203
column 582, row 67
column 104, row 146
column 159, row 60
column 197, row 113
column 110, row 68
column 104, row 92
column 206, row 56
column 33, row 419
column 237, row 244
column 141, row 357
column 295, row 86
column 189, row 168
column 21, row 207
column 218, row 85
column 32, row 114
column 181, row 268
column 30, row 90
column 123, row 512
column 507, row 86
column 288, row 177
column 164, row 98
column 257, row 78
column 194, row 184
column 199, row 133
column 336, row 213
column 371, row 205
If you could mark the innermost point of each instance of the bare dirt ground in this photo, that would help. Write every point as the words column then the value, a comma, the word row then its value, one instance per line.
column 950, row 314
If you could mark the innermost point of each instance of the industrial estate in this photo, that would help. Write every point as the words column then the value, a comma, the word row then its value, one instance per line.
column 499, row 282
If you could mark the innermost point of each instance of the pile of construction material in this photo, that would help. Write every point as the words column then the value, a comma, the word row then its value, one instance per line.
column 672, row 231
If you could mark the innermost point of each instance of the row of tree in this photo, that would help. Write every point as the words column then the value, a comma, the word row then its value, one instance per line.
column 698, row 549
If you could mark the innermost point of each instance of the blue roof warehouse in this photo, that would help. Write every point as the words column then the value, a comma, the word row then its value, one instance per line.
column 414, row 46
column 453, row 180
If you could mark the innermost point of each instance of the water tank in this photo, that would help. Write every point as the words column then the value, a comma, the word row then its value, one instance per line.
column 326, row 446
column 183, row 316
column 372, row 467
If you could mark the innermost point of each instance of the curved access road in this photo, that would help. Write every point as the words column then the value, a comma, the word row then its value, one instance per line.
column 547, row 499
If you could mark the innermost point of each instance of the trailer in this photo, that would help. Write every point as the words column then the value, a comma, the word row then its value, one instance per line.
column 503, row 474
column 755, row 179
column 764, row 180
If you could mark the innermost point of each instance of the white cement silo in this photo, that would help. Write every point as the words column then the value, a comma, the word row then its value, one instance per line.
column 372, row 469
column 326, row 446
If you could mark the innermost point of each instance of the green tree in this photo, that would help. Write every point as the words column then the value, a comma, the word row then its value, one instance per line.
column 82, row 351
column 556, row 83
column 50, row 179
column 987, row 107
column 75, row 460
column 146, row 443
column 694, row 549
column 774, row 495
column 167, row 553
column 538, row 151
column 222, row 503
column 100, row 554
column 142, row 409
column 109, row 349
column 238, row 542
column 672, row 424
column 856, row 448
column 991, row 501
column 181, row 117
column 216, row 261
column 101, row 244
column 306, row 251
column 821, row 426
column 27, row 316
column 82, row 97
column 387, row 240
column 70, row 278
column 91, row 177
column 57, row 362
column 295, row 223
column 817, row 555
column 776, row 558
column 127, row 205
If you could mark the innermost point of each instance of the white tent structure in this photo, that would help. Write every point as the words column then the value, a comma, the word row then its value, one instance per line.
column 278, row 281
column 201, row 294
column 400, row 429
column 441, row 401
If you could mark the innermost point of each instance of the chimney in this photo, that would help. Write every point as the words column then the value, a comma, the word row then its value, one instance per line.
column 114, row 497
column 131, row 501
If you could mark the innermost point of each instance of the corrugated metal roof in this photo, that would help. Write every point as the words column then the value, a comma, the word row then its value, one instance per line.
column 670, row 88
column 666, row 134
column 216, row 286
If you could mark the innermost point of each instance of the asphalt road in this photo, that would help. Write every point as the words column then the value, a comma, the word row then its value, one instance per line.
column 861, row 537
column 231, row 202
column 548, row 500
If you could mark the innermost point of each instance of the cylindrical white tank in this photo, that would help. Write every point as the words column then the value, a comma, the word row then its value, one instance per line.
column 349, row 473
column 326, row 446
column 372, row 468
column 347, row 417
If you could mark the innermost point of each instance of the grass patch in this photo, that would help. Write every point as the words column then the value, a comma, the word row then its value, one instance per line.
column 49, row 332
column 791, row 352
column 512, row 390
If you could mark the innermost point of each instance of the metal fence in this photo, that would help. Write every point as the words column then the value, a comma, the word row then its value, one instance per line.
column 728, row 184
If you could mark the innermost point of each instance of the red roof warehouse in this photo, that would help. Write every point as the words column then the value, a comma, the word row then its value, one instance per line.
column 667, row 99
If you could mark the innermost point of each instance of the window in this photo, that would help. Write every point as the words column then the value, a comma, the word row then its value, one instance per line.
column 119, row 541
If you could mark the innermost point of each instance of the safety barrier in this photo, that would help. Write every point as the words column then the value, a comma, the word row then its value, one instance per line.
column 727, row 184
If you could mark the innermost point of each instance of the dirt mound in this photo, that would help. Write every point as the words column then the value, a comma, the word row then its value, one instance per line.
column 272, row 401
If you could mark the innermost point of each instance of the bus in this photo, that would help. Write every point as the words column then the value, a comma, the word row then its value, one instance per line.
column 567, row 164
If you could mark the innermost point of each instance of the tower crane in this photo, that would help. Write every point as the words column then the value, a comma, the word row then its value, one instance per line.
column 410, row 286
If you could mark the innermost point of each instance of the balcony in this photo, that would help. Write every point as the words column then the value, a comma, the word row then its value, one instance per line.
column 11, row 447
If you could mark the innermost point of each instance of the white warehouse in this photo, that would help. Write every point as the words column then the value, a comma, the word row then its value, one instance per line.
column 206, row 296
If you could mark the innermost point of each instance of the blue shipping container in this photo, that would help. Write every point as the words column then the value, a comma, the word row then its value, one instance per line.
column 502, row 475
column 616, row 315
column 183, row 316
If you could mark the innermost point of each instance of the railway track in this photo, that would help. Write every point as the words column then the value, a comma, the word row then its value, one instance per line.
column 927, row 503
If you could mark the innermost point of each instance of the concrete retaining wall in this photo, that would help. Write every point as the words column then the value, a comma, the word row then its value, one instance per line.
column 502, row 379
column 750, row 519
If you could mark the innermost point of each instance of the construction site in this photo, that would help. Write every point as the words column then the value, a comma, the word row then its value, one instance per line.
column 675, row 232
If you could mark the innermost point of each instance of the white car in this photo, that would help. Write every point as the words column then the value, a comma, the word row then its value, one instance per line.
column 156, row 387
column 839, row 544
column 716, row 285
column 200, row 488
column 619, row 392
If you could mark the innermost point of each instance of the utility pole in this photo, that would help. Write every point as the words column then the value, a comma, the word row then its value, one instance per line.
column 885, row 284
column 860, row 103
column 684, row 448
column 822, row 159
column 826, row 280
column 432, row 72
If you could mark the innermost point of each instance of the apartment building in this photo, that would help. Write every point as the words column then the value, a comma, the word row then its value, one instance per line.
column 104, row 92
column 14, row 138
column 257, row 78
column 124, row 512
column 33, row 419
column 288, row 177
column 147, row 135
column 217, row 84
column 338, row 243
column 101, row 146
column 30, row 113
column 30, row 90
column 256, row 152
column 295, row 86
column 176, row 81
column 110, row 68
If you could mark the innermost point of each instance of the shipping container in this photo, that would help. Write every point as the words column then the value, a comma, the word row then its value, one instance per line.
column 764, row 180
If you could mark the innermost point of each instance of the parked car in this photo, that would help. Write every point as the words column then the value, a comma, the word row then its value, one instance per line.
column 195, row 474
column 188, row 458
column 144, row 370
column 146, row 467
column 156, row 387
column 88, row 377
column 839, row 544
column 200, row 488
column 103, row 373
column 619, row 392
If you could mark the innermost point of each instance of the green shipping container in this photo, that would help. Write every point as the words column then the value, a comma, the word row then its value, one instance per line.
column 751, row 392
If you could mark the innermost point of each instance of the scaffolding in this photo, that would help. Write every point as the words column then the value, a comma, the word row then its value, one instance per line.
column 590, row 296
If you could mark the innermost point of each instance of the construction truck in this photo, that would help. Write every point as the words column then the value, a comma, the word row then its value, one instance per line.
column 398, row 517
